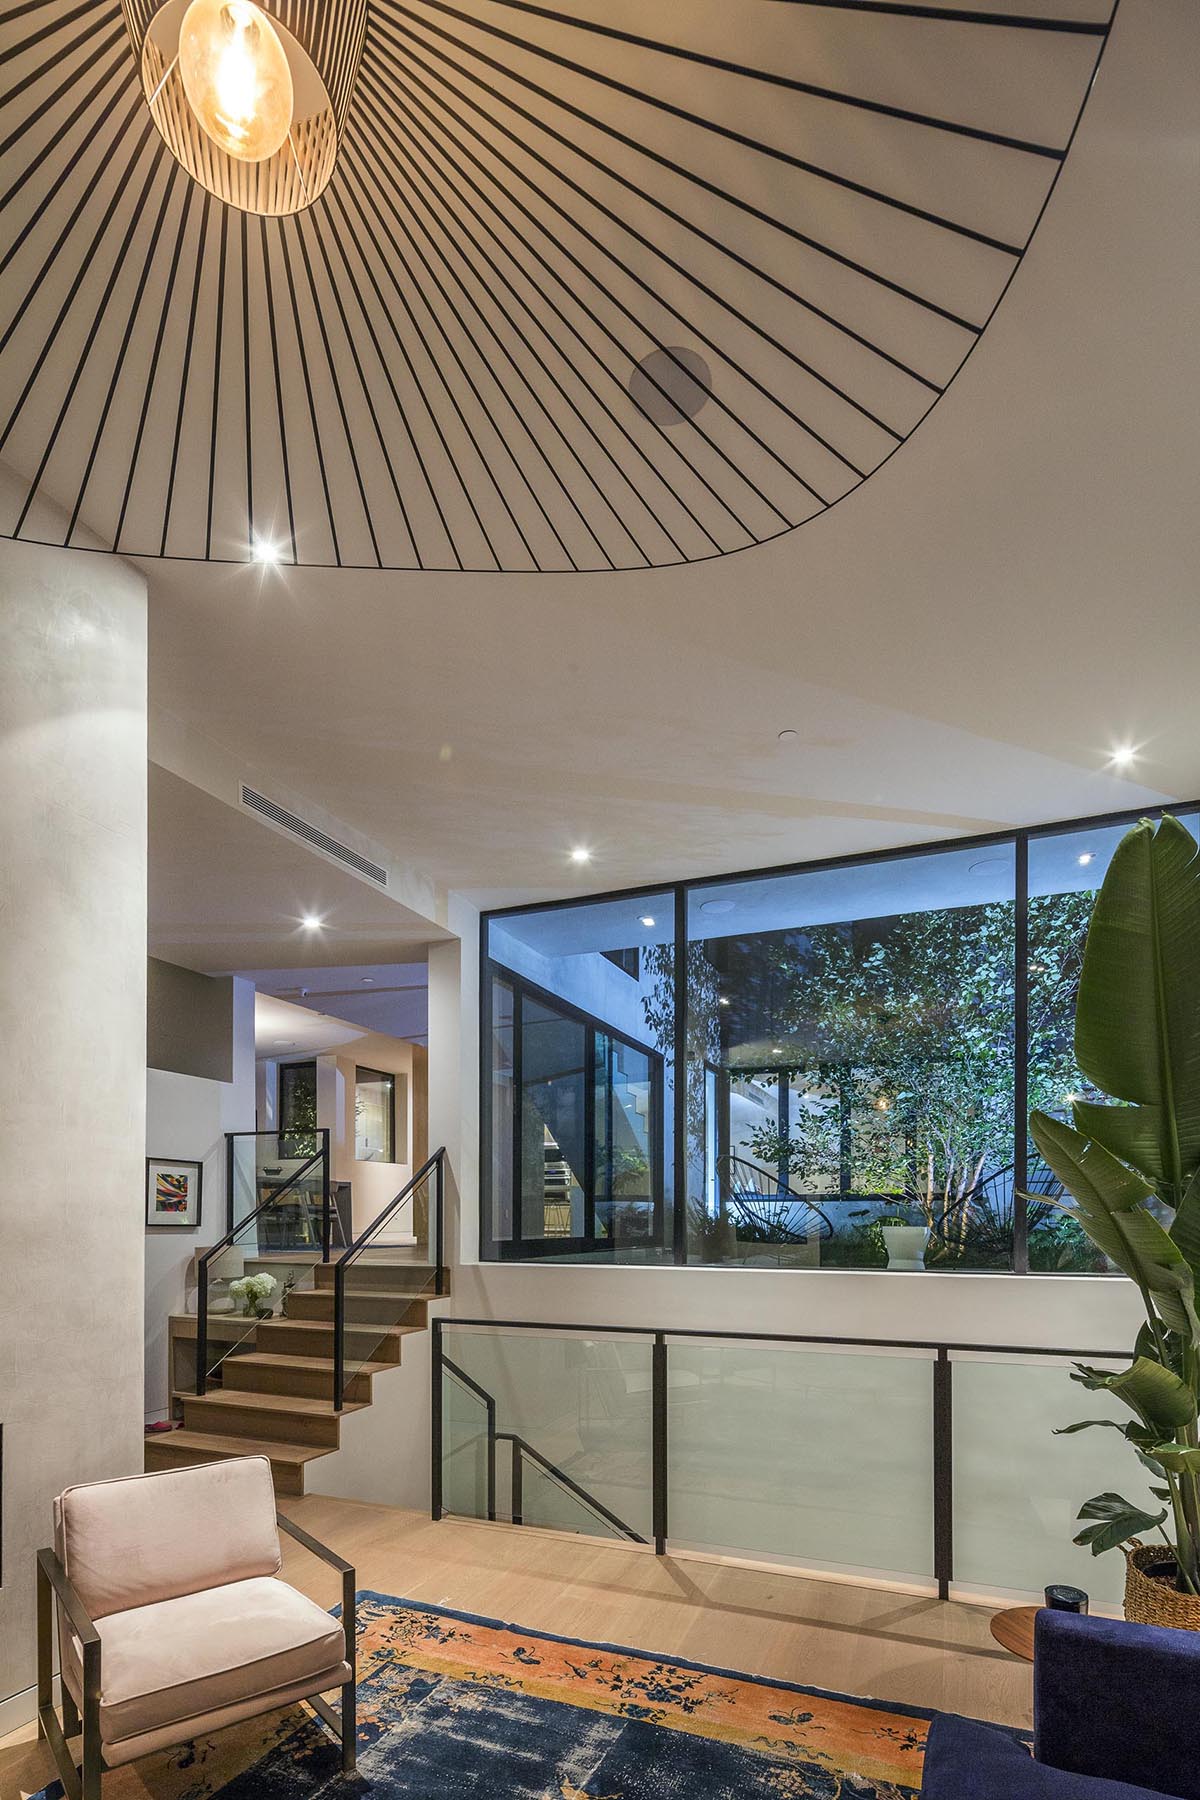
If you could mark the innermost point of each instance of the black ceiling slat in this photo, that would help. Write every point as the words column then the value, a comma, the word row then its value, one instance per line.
column 268, row 287
column 772, row 77
column 498, row 274
column 957, row 15
column 308, row 220
column 602, row 124
column 152, row 166
column 774, row 152
column 282, row 238
column 580, row 464
column 467, row 493
column 709, row 292
column 480, row 401
column 480, row 300
column 701, row 337
column 169, row 186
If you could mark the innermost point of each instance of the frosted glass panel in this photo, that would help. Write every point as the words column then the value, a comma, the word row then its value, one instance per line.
column 1017, row 1488
column 583, row 1404
column 464, row 1451
column 775, row 1451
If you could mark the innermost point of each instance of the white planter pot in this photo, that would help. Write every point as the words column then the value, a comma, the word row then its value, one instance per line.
column 905, row 1245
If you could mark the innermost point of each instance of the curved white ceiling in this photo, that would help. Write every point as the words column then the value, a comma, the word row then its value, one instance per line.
column 824, row 200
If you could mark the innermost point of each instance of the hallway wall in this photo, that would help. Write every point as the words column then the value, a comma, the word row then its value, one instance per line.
column 73, row 1007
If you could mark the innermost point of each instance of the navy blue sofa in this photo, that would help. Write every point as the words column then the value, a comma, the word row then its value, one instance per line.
column 1116, row 1715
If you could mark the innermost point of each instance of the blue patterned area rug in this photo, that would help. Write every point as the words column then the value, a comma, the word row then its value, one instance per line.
column 454, row 1706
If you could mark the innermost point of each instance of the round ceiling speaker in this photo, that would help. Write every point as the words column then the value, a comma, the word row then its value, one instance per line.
column 670, row 385
column 250, row 99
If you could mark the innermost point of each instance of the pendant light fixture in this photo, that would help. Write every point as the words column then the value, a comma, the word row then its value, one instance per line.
column 252, row 100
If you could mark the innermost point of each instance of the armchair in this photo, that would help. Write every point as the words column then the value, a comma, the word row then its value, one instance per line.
column 1115, row 1718
column 173, row 1622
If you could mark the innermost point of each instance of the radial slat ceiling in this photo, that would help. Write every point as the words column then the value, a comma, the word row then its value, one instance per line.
column 430, row 368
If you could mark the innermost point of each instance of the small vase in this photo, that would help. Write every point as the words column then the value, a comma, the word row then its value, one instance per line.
column 905, row 1245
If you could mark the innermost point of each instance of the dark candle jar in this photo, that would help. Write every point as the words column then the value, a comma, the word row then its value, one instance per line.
column 1066, row 1599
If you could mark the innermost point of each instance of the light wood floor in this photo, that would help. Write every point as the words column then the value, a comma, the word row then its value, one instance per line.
column 826, row 1634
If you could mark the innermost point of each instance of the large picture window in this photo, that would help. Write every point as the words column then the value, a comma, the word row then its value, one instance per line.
column 860, row 1045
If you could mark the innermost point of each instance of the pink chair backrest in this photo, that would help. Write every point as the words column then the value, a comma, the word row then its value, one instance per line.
column 154, row 1537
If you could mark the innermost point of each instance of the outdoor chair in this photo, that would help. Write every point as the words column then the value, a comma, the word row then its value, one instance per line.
column 173, row 1622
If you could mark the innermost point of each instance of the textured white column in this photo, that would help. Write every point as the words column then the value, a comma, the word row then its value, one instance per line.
column 73, row 1030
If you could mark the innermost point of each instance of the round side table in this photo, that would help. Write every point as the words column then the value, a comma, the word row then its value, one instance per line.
column 1013, row 1628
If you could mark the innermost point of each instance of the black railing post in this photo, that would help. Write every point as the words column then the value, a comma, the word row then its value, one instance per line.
column 339, row 1333
column 202, row 1327
column 517, row 1506
column 435, row 1416
column 439, row 1191
column 658, row 1453
column 229, row 1137
column 943, row 1471
column 326, row 1232
column 491, row 1459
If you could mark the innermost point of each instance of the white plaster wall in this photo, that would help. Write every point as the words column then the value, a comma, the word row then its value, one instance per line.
column 187, row 1116
column 73, row 1015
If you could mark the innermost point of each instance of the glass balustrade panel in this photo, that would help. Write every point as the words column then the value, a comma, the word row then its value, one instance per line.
column 799, row 1454
column 1018, row 1488
column 583, row 1404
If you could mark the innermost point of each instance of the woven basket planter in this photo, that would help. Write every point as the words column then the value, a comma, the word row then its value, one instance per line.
column 1149, row 1602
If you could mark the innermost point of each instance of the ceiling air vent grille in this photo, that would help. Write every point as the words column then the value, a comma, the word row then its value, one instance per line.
column 312, row 834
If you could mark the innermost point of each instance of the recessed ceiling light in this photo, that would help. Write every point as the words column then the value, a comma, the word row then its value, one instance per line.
column 261, row 551
column 311, row 922
column 721, row 1000
column 647, row 921
column 788, row 736
column 367, row 980
column 1085, row 859
column 717, row 906
column 581, row 854
column 1123, row 755
column 285, row 1043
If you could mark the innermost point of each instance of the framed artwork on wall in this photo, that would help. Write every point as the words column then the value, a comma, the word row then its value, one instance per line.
column 173, row 1191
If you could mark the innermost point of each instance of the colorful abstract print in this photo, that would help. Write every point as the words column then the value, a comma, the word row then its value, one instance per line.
column 455, row 1706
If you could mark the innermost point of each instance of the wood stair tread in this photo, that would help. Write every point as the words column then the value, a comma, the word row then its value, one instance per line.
column 278, row 1359
column 351, row 1325
column 212, row 1443
column 284, row 1403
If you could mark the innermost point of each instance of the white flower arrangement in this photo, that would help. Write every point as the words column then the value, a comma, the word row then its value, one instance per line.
column 250, row 1291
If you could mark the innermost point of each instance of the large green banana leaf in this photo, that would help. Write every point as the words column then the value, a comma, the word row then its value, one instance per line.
column 1137, row 1021
column 1110, row 1203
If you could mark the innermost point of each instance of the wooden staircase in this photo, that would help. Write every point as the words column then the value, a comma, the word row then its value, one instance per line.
column 273, row 1397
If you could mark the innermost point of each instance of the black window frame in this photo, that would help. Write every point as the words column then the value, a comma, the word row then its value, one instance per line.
column 389, row 1076
column 674, row 1228
column 522, row 1249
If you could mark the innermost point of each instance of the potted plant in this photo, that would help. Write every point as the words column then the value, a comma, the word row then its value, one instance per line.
column 1133, row 1171
column 905, row 1237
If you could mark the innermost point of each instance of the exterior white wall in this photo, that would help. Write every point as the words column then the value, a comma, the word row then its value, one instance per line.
column 188, row 1117
column 73, row 1013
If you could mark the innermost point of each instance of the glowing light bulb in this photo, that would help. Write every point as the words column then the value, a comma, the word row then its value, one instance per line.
column 236, row 77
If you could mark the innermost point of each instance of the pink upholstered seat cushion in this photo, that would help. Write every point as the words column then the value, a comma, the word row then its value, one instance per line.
column 153, row 1537
column 178, row 1659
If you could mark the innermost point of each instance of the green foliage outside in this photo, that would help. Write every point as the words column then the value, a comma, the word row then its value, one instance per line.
column 1133, row 1170
column 898, row 1035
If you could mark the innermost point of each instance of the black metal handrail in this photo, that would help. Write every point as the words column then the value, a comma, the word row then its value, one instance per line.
column 942, row 1405
column 319, row 1157
column 489, row 1403
column 435, row 1164
column 521, row 1448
